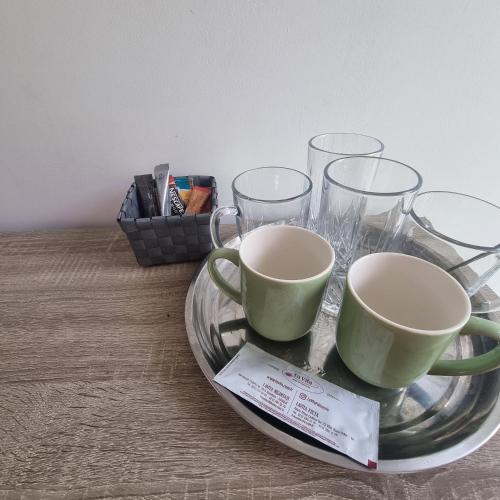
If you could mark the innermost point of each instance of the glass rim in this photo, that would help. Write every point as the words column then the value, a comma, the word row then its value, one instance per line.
column 281, row 200
column 413, row 189
column 418, row 220
column 378, row 150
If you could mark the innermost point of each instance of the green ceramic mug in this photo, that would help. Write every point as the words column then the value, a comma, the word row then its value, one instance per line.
column 399, row 314
column 284, row 271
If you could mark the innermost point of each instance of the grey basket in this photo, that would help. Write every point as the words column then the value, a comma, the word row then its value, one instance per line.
column 166, row 240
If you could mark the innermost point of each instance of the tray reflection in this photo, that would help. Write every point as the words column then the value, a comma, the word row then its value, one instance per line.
column 431, row 415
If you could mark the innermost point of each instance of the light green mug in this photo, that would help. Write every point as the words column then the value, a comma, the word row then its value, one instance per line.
column 399, row 314
column 284, row 271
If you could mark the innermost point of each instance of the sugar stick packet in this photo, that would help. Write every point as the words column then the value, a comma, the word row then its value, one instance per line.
column 161, row 175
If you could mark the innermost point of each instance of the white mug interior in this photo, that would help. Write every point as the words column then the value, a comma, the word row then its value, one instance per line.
column 287, row 253
column 409, row 293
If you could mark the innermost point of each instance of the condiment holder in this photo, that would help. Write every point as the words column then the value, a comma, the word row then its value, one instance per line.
column 167, row 239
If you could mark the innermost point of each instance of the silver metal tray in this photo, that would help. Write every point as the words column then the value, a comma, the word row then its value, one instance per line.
column 433, row 422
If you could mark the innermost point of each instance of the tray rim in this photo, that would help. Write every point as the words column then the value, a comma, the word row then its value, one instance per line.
column 407, row 465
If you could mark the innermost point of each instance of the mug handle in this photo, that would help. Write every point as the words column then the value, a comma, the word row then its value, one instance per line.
column 215, row 221
column 234, row 257
column 479, row 364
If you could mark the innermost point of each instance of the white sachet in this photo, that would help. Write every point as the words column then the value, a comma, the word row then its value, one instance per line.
column 345, row 421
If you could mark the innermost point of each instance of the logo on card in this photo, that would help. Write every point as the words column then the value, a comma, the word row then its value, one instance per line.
column 302, row 381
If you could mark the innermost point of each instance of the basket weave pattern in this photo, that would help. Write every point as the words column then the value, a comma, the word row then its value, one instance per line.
column 166, row 240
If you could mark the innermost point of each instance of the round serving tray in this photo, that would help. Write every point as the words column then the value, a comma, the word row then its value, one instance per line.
column 433, row 422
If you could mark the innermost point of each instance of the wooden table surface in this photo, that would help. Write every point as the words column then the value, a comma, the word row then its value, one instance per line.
column 100, row 395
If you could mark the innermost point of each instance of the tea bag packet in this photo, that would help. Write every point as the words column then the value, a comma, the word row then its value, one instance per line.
column 184, row 186
column 338, row 418
column 198, row 199
column 207, row 206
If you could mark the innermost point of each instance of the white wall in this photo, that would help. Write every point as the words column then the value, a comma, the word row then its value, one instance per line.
column 92, row 92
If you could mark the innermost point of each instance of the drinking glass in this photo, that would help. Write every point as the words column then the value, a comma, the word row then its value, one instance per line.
column 325, row 148
column 461, row 234
column 266, row 195
column 364, row 203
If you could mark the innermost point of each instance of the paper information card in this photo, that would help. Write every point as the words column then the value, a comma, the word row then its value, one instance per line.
column 338, row 418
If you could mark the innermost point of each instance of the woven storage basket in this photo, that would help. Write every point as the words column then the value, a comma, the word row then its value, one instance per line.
column 166, row 240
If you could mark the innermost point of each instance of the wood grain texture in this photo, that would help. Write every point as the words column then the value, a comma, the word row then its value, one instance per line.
column 100, row 395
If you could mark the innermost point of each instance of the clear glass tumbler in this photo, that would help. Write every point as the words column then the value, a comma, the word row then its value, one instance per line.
column 266, row 195
column 461, row 234
column 364, row 203
column 325, row 148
